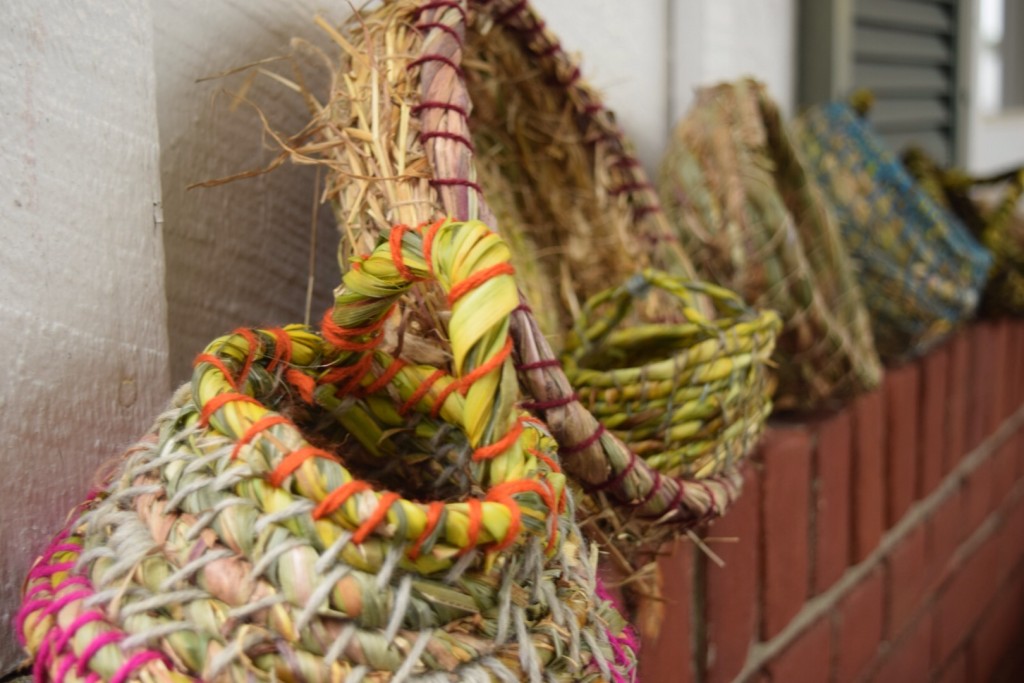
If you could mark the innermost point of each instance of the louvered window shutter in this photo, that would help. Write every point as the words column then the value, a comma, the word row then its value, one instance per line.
column 908, row 52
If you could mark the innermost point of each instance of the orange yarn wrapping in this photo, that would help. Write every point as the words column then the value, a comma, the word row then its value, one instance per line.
column 219, row 401
column 265, row 422
column 428, row 243
column 294, row 460
column 464, row 287
column 283, row 348
column 462, row 385
column 550, row 462
column 336, row 498
column 353, row 374
column 476, row 520
column 492, row 363
column 254, row 347
column 395, row 242
column 495, row 449
column 217, row 363
column 434, row 512
column 302, row 382
column 385, row 378
column 421, row 391
column 502, row 493
column 376, row 517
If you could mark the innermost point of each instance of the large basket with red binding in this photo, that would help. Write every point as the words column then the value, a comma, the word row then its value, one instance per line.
column 248, row 536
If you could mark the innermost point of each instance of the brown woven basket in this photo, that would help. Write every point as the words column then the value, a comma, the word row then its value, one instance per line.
column 756, row 222
column 472, row 110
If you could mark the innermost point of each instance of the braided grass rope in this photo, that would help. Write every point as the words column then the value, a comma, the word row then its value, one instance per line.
column 690, row 398
column 920, row 270
column 236, row 542
column 400, row 143
column 998, row 225
column 754, row 221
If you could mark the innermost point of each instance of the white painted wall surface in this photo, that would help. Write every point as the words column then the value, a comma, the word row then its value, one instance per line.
column 722, row 40
column 649, row 56
column 237, row 254
column 81, row 262
column 995, row 141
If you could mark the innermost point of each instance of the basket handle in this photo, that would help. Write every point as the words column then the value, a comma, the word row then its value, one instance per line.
column 598, row 459
column 513, row 456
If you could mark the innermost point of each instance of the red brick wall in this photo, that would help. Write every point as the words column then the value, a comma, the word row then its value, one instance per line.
column 881, row 543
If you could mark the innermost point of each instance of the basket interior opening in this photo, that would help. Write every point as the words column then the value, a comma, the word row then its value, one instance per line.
column 539, row 170
column 428, row 469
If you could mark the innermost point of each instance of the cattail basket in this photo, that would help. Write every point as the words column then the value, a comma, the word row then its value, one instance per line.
column 988, row 206
column 690, row 397
column 472, row 110
column 754, row 220
column 921, row 271
column 249, row 537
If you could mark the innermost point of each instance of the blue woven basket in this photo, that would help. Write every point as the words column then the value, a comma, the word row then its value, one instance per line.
column 920, row 269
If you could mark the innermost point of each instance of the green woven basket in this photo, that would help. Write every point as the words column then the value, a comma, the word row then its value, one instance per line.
column 691, row 397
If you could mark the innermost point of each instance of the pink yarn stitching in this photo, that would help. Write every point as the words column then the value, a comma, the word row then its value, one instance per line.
column 622, row 643
column 42, row 599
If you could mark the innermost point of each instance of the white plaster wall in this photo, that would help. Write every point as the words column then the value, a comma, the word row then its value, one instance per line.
column 237, row 254
column 81, row 262
column 995, row 142
column 623, row 50
column 719, row 40
column 649, row 56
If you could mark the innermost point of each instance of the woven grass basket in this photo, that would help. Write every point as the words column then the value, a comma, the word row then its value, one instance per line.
column 687, row 397
column 988, row 207
column 247, row 538
column 919, row 268
column 755, row 221
column 473, row 110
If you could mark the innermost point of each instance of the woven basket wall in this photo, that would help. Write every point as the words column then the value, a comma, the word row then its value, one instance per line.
column 249, row 537
column 919, row 268
column 755, row 221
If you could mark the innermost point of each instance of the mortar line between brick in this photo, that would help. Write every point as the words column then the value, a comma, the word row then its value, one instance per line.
column 699, row 633
column 819, row 606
